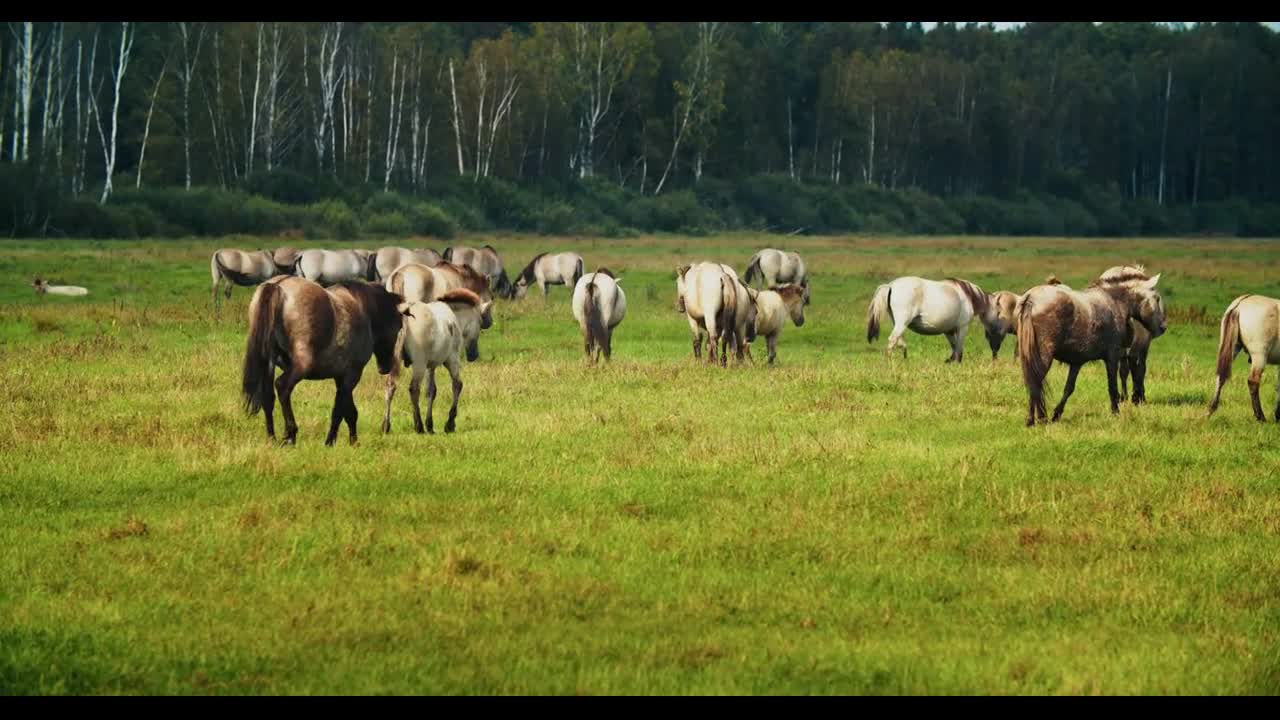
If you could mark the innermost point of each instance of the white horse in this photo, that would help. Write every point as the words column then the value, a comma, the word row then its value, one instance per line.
column 599, row 305
column 387, row 259
column 708, row 297
column 773, row 307
column 433, row 335
column 334, row 266
column 929, row 307
column 775, row 267
column 544, row 269
column 44, row 288
column 1252, row 324
column 416, row 282
column 231, row 267
column 1005, row 306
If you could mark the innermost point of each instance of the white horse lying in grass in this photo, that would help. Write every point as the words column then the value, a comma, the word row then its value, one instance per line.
column 599, row 305
column 930, row 307
column 434, row 334
column 44, row 288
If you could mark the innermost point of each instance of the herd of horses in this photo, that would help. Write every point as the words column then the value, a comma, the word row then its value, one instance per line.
column 322, row 314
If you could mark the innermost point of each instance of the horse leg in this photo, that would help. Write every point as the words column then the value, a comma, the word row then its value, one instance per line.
column 431, row 400
column 1138, row 363
column 1124, row 377
column 1277, row 414
column 953, row 340
column 335, row 416
column 415, row 394
column 1255, row 382
column 455, row 373
column 1113, row 368
column 284, row 388
column 772, row 342
column 352, row 415
column 390, row 393
column 1067, row 389
column 269, row 409
column 1217, row 397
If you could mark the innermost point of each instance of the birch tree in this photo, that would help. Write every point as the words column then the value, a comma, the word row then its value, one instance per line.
column 146, row 131
column 127, row 33
column 699, row 99
column 186, row 72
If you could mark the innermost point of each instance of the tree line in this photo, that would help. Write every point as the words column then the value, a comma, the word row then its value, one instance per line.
column 1081, row 128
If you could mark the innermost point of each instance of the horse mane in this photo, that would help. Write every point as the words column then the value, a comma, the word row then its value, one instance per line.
column 1124, row 274
column 977, row 296
column 605, row 271
column 491, row 249
column 461, row 295
column 527, row 272
column 789, row 291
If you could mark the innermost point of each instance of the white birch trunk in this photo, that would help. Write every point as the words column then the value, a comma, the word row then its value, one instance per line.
column 109, row 151
column 457, row 127
column 146, row 129
column 190, row 59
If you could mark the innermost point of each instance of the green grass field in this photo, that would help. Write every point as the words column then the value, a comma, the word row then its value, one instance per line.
column 840, row 523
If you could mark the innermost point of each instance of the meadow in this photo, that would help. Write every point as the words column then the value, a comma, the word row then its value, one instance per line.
column 839, row 523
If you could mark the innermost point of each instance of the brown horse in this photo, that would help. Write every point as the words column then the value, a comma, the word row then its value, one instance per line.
column 1076, row 327
column 315, row 333
column 1137, row 341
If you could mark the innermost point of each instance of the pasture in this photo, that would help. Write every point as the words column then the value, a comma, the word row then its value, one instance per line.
column 841, row 522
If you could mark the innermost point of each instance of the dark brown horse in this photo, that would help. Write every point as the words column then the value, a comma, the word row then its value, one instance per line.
column 1076, row 327
column 315, row 333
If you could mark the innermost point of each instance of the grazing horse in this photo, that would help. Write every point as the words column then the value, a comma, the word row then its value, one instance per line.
column 246, row 269
column 775, row 267
column 315, row 333
column 1252, row 324
column 773, row 306
column 1137, row 341
column 484, row 260
column 560, row 269
column 328, row 267
column 1080, row 326
column 930, row 307
column 599, row 305
column 43, row 287
column 1005, row 306
column 434, row 335
column 707, row 295
column 387, row 259
column 416, row 282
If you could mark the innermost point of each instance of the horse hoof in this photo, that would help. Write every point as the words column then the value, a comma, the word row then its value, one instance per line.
column 448, row 428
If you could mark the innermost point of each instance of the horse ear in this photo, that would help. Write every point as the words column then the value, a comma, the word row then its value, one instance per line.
column 1151, row 284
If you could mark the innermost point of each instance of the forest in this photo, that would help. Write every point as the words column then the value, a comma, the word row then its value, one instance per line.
column 168, row 129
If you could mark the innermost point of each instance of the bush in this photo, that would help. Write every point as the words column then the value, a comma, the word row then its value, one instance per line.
column 392, row 223
column 1263, row 221
column 332, row 218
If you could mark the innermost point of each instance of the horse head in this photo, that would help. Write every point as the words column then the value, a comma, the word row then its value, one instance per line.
column 1148, row 306
column 680, row 272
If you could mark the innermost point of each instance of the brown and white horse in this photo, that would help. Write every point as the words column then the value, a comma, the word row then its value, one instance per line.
column 484, row 260
column 599, row 305
column 546, row 269
column 232, row 267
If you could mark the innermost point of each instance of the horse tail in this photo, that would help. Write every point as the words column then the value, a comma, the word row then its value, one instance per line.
column 1228, row 339
column 876, row 309
column 577, row 271
column 447, row 255
column 256, row 380
column 752, row 268
column 728, row 315
column 596, row 332
column 1030, row 355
